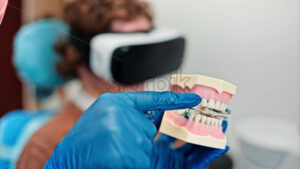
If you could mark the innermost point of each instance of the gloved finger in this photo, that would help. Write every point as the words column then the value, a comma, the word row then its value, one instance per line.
column 161, row 101
column 204, row 156
column 155, row 117
column 142, row 123
column 148, row 131
column 140, row 134
column 133, row 157
column 150, row 101
column 147, row 146
column 143, row 161
column 148, row 127
column 187, row 149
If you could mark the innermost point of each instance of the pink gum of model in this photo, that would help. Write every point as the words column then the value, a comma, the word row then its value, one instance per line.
column 205, row 92
column 195, row 128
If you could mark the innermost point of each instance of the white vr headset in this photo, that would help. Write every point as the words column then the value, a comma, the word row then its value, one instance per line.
column 131, row 58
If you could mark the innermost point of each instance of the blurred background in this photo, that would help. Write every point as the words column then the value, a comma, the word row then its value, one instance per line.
column 253, row 44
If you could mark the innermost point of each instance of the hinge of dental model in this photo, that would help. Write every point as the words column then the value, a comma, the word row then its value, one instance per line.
column 214, row 113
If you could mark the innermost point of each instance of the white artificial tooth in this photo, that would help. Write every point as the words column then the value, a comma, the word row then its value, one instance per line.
column 211, row 104
column 220, row 122
column 203, row 119
column 192, row 115
column 213, row 122
column 216, row 122
column 225, row 107
column 197, row 118
column 204, row 103
column 218, row 105
column 222, row 107
column 208, row 120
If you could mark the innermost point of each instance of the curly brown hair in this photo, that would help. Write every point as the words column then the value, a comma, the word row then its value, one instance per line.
column 96, row 15
column 89, row 16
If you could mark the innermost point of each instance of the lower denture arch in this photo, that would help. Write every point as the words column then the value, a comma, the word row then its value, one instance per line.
column 195, row 128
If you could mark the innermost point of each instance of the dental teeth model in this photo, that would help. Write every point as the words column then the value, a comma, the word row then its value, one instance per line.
column 201, row 125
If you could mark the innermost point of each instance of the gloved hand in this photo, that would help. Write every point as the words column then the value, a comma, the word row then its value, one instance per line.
column 188, row 156
column 115, row 132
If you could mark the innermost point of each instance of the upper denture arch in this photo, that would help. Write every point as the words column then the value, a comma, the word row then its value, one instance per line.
column 190, row 80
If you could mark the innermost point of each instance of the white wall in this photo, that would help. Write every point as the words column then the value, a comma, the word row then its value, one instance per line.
column 252, row 43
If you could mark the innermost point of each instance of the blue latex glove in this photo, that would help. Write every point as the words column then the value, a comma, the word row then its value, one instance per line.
column 34, row 55
column 117, row 132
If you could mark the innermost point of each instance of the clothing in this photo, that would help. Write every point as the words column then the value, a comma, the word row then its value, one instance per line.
column 16, row 128
column 41, row 145
column 30, row 136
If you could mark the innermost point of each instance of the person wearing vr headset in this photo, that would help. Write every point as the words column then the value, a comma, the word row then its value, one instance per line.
column 111, row 46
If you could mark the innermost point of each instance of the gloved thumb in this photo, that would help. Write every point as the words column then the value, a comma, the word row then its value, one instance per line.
column 161, row 101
